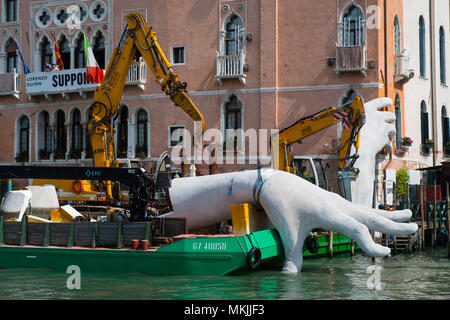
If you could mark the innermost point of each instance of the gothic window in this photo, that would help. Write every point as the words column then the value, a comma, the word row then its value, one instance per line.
column 122, row 137
column 445, row 131
column 442, row 55
column 424, row 126
column 398, row 121
column 11, row 10
column 11, row 56
column 142, row 139
column 422, row 46
column 353, row 27
column 397, row 36
column 234, row 35
column 79, row 53
column 46, row 53
column 61, row 138
column 233, row 114
column 76, row 130
column 24, row 143
column 99, row 49
column 64, row 51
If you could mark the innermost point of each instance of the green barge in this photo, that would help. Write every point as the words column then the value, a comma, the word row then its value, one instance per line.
column 58, row 246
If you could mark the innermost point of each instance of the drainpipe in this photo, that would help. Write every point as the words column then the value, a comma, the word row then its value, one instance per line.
column 433, row 75
column 385, row 51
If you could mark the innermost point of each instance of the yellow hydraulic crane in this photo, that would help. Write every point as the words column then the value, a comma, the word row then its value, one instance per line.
column 351, row 114
column 107, row 97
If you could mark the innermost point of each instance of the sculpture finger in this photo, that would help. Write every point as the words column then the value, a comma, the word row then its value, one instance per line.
column 378, row 104
column 378, row 222
column 389, row 116
column 353, row 229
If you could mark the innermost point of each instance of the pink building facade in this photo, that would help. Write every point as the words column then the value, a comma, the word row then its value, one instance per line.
column 249, row 64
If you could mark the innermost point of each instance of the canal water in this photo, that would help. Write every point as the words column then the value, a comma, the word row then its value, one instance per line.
column 421, row 275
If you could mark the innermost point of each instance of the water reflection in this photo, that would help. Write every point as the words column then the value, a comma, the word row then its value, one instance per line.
column 422, row 275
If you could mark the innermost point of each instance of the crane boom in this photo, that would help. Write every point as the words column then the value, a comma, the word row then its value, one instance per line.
column 352, row 114
column 107, row 97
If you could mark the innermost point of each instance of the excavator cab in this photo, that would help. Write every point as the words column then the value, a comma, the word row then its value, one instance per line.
column 163, row 172
column 312, row 170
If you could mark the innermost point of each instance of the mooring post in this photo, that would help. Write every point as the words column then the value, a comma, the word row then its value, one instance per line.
column 70, row 240
column 47, row 235
column 353, row 247
column 330, row 245
column 23, row 234
column 422, row 213
column 448, row 219
column 435, row 214
column 120, row 237
column 1, row 230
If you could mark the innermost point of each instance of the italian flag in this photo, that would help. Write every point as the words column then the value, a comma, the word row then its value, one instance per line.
column 93, row 72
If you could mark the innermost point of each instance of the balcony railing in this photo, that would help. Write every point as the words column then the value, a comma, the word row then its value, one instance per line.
column 351, row 58
column 402, row 70
column 10, row 84
column 137, row 75
column 231, row 67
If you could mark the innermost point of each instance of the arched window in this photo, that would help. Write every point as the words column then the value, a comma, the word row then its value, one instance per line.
column 79, row 53
column 442, row 55
column 76, row 131
column 64, row 51
column 234, row 35
column 422, row 51
column 353, row 27
column 46, row 53
column 87, row 136
column 397, row 36
column 44, row 136
column 122, row 137
column 61, row 138
column 424, row 126
column 24, row 141
column 398, row 121
column 142, row 139
column 233, row 114
column 99, row 49
column 11, row 56
column 445, row 131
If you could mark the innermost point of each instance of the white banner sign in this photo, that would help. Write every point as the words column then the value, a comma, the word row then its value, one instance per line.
column 58, row 81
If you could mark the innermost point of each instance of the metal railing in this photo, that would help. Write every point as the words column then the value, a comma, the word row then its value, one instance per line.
column 351, row 58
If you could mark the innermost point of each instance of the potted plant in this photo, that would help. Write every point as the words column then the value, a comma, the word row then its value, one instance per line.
column 60, row 153
column 22, row 156
column 407, row 141
column 75, row 153
column 44, row 154
column 141, row 152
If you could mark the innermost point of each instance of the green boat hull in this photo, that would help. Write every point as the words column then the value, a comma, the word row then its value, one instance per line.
column 187, row 256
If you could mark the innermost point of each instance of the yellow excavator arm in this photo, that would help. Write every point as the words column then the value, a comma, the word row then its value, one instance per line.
column 107, row 97
column 352, row 115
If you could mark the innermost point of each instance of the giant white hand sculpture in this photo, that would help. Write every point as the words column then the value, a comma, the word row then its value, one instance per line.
column 294, row 205
column 375, row 135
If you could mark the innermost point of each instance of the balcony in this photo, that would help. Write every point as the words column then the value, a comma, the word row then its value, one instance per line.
column 402, row 71
column 69, row 81
column 10, row 84
column 231, row 67
column 137, row 75
column 351, row 59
